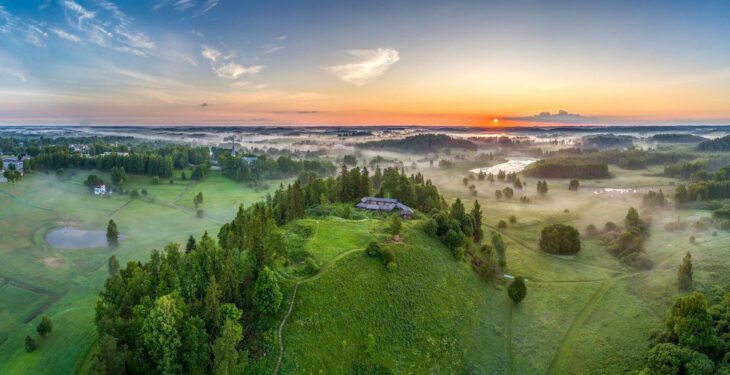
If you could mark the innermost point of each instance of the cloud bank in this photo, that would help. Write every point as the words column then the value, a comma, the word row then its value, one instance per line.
column 560, row 117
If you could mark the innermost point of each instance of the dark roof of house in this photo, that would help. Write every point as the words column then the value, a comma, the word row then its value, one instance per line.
column 383, row 204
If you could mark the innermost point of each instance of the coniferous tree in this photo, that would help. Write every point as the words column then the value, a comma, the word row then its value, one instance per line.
column 112, row 234
column 113, row 265
column 190, row 245
column 476, row 214
column 684, row 273
column 44, row 327
column 267, row 296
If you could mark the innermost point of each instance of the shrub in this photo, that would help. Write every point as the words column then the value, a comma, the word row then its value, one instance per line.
column 502, row 224
column 391, row 266
column 155, row 180
column 573, row 185
column 591, row 230
column 458, row 253
column 134, row 193
column 388, row 255
column 560, row 239
column 44, row 327
column 144, row 192
column 311, row 265
column 373, row 249
column 30, row 345
column 498, row 194
column 430, row 227
column 517, row 289
column 199, row 213
column 692, row 239
column 513, row 219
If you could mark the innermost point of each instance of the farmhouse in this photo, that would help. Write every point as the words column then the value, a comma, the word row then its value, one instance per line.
column 385, row 205
column 100, row 189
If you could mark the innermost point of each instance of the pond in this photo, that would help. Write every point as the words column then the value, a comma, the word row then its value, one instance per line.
column 512, row 165
column 76, row 238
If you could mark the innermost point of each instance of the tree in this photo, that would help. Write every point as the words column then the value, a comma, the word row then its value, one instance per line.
column 113, row 265
column 108, row 359
column 226, row 358
column 45, row 326
column 112, row 234
column 684, row 274
column 373, row 249
column 573, row 185
column 119, row 176
column 476, row 214
column 198, row 199
column 267, row 296
column 500, row 249
column 30, row 345
column 395, row 225
column 560, row 239
column 160, row 336
column 134, row 194
column 190, row 246
column 517, row 289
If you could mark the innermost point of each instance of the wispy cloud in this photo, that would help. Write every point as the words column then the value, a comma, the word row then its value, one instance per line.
column 20, row 30
column 230, row 69
column 233, row 71
column 14, row 73
column 197, row 7
column 281, row 37
column 65, row 35
column 368, row 64
column 272, row 49
column 210, row 53
column 106, row 26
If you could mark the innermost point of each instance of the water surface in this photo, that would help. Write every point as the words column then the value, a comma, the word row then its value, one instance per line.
column 76, row 238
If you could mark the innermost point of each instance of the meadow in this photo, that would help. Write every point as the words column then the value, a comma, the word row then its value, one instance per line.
column 586, row 313
column 37, row 280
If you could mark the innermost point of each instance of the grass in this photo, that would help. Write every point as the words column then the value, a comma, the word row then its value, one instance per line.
column 37, row 280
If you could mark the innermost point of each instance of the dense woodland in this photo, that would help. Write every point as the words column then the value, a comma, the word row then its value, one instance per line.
column 263, row 167
column 421, row 143
column 567, row 167
column 677, row 138
column 716, row 145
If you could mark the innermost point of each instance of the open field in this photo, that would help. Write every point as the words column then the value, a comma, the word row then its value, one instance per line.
column 37, row 280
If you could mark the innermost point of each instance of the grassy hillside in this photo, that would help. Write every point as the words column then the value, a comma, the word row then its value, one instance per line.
column 37, row 280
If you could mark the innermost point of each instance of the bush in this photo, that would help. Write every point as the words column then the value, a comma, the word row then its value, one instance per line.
column 134, row 193
column 45, row 327
column 458, row 253
column 388, row 255
column 591, row 230
column 373, row 249
column 155, row 180
column 517, row 289
column 391, row 266
column 199, row 213
column 144, row 192
column 502, row 224
column 513, row 219
column 560, row 239
column 30, row 345
column 311, row 265
column 573, row 185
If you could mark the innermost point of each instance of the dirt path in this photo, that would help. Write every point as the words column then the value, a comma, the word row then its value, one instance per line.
column 281, row 328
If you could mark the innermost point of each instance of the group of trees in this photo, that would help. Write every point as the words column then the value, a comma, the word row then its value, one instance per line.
column 542, row 187
column 246, row 169
column 185, row 311
column 653, row 199
column 567, row 167
column 560, row 239
column 627, row 243
column 12, row 175
column 44, row 328
column 421, row 143
column 456, row 227
column 695, row 338
column 721, row 144
column 573, row 185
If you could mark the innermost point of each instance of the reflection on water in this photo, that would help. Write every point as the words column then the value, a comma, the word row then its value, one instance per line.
column 512, row 165
column 75, row 238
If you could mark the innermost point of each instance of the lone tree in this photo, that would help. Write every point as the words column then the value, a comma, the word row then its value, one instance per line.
column 113, row 265
column 112, row 234
column 476, row 214
column 267, row 296
column 517, row 290
column 573, row 185
column 684, row 274
column 395, row 225
column 198, row 199
column 44, row 327
column 30, row 345
column 560, row 239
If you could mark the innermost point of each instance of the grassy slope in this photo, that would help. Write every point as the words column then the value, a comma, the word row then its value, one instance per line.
column 67, row 292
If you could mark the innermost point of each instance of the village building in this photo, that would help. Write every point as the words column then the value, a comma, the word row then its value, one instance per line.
column 385, row 205
column 100, row 189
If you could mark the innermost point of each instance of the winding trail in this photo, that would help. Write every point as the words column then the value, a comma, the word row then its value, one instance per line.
column 281, row 328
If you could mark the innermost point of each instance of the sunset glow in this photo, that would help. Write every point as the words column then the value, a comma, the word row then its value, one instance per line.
column 427, row 63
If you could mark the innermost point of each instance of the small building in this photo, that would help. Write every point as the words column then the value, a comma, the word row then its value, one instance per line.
column 13, row 164
column 385, row 205
column 100, row 189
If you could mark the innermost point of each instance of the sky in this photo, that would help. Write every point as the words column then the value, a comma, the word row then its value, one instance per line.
column 474, row 63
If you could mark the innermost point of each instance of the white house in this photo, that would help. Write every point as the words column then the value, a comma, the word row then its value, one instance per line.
column 100, row 190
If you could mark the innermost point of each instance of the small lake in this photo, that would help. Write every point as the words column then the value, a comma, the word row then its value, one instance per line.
column 512, row 165
column 76, row 238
